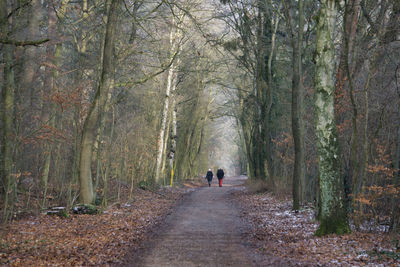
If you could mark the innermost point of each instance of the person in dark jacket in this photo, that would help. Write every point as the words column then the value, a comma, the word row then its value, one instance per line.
column 220, row 175
column 209, row 177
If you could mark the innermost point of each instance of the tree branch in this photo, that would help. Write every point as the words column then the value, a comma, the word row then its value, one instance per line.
column 23, row 43
column 150, row 76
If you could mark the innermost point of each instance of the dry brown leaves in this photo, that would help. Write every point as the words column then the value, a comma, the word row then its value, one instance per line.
column 84, row 239
column 283, row 233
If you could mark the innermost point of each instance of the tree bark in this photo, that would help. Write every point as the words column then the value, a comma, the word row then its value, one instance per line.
column 175, row 36
column 8, row 90
column 394, row 221
column 333, row 215
column 30, row 65
column 351, row 21
column 297, row 106
column 48, row 116
column 108, row 164
column 268, row 162
column 90, row 125
column 173, row 135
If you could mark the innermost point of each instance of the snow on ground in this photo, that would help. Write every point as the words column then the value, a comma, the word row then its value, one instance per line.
column 284, row 233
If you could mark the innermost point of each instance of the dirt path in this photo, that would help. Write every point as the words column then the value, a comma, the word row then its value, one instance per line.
column 205, row 230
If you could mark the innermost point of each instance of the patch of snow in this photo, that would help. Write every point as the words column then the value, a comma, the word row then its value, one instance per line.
column 362, row 256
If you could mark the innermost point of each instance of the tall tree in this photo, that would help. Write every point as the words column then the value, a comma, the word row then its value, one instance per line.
column 345, row 73
column 333, row 214
column 30, row 66
column 8, row 180
column 297, row 101
column 91, row 123
column 175, row 47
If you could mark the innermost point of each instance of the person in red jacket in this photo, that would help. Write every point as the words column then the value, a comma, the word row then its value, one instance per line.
column 220, row 176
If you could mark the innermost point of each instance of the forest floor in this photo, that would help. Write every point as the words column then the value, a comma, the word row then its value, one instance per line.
column 280, row 232
column 191, row 225
column 82, row 240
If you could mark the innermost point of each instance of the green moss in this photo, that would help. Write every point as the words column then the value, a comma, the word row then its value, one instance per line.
column 334, row 226
column 61, row 212
column 143, row 185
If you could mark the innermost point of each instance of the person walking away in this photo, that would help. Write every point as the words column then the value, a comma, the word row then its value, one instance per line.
column 220, row 175
column 209, row 177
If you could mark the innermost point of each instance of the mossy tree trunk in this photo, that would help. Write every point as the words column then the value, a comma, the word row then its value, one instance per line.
column 333, row 217
column 91, row 122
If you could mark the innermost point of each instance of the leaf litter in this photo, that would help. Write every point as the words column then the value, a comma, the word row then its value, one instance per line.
column 279, row 231
column 78, row 240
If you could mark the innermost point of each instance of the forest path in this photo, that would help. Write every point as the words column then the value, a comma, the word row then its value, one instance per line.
column 204, row 230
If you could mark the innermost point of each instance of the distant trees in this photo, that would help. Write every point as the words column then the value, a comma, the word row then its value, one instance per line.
column 360, row 172
column 255, row 50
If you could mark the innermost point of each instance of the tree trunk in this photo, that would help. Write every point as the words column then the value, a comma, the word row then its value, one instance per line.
column 260, row 135
column 7, row 116
column 364, row 161
column 350, row 26
column 268, row 162
column 174, row 41
column 333, row 210
column 29, row 94
column 48, row 110
column 99, row 137
column 394, row 222
column 90, row 125
column 30, row 66
column 164, row 149
column 108, row 152
column 297, row 111
column 173, row 136
column 161, row 137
